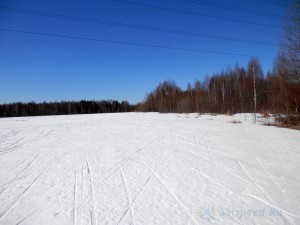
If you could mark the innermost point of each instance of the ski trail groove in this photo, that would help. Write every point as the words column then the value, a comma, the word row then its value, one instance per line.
column 10, row 149
column 27, row 217
column 141, row 191
column 1, row 192
column 195, row 138
column 202, row 138
column 19, row 164
column 212, row 180
column 29, row 163
column 271, row 205
column 75, row 187
column 24, row 192
column 12, row 181
column 125, row 161
column 92, row 188
column 143, row 188
column 271, row 178
column 123, row 216
column 125, row 187
column 48, row 134
column 225, row 168
column 266, row 171
column 210, row 154
column 137, row 151
column 222, row 186
column 170, row 192
column 82, row 193
column 11, row 146
column 259, row 188
column 40, row 133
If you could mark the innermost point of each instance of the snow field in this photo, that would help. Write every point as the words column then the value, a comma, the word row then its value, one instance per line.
column 147, row 168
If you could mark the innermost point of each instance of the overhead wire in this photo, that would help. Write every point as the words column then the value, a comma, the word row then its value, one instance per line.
column 131, row 43
column 139, row 27
column 275, row 3
column 235, row 9
column 196, row 14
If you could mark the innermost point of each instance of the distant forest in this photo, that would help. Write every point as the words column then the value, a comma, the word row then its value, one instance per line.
column 64, row 108
column 232, row 91
column 242, row 89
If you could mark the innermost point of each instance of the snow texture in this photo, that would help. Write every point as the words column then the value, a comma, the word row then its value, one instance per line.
column 148, row 168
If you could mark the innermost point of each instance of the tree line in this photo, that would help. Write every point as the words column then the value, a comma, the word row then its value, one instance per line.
column 237, row 90
column 232, row 91
column 64, row 108
column 242, row 89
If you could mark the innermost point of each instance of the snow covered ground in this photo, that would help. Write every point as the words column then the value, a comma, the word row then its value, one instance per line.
column 148, row 168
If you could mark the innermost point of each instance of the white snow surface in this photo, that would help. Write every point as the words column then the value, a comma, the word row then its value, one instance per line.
column 147, row 168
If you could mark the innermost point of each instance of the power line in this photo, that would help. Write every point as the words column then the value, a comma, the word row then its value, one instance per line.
column 235, row 9
column 133, row 26
column 276, row 3
column 131, row 43
column 197, row 14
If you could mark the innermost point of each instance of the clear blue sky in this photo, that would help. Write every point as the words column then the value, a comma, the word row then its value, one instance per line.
column 44, row 68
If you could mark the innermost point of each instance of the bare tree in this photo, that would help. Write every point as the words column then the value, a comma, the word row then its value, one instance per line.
column 290, row 48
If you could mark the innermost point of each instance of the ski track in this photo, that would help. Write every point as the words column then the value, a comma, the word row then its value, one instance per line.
column 19, row 164
column 265, row 170
column 221, row 166
column 22, row 194
column 11, row 181
column 27, row 217
column 82, row 182
column 260, row 189
column 92, row 189
column 143, row 187
column 210, row 154
column 125, row 186
column 171, row 193
column 134, row 154
column 75, row 188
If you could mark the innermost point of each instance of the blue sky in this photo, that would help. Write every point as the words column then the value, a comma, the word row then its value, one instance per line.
column 44, row 68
